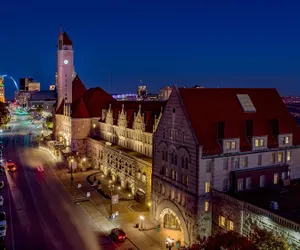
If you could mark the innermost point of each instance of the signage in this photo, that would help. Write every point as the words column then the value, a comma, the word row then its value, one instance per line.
column 115, row 199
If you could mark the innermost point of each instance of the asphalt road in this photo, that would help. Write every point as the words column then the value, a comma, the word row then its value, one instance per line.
column 41, row 214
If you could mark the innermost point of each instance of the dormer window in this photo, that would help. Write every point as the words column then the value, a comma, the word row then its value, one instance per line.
column 230, row 145
column 286, row 140
column 259, row 142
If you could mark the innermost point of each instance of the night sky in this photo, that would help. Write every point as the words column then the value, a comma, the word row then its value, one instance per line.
column 211, row 43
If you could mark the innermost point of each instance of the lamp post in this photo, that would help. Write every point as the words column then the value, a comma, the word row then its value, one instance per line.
column 111, row 188
column 72, row 178
column 169, row 243
column 142, row 218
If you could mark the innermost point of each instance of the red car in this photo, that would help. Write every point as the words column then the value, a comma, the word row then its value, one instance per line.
column 118, row 234
column 40, row 169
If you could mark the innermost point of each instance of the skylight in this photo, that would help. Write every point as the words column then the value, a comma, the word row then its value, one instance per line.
column 246, row 103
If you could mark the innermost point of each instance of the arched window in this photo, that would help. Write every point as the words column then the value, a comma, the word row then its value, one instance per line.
column 144, row 177
column 186, row 163
column 175, row 159
column 182, row 161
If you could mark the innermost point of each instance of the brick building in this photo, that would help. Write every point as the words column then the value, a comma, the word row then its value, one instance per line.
column 229, row 140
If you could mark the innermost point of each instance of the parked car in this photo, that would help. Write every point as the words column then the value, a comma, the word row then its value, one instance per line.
column 3, row 226
column 118, row 234
column 2, row 216
column 1, row 184
column 1, row 200
column 2, row 243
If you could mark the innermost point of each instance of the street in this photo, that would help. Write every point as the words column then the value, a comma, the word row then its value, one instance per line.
column 41, row 214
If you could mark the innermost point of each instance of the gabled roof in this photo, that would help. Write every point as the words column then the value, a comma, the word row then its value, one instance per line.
column 66, row 39
column 96, row 99
column 79, row 109
column 78, row 88
column 206, row 107
column 150, row 110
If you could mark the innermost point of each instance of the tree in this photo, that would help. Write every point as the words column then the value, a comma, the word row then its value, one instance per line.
column 222, row 241
column 266, row 240
column 49, row 122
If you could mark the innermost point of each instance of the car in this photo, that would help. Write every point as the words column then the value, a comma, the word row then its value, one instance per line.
column 118, row 234
column 2, row 243
column 1, row 200
column 1, row 184
column 3, row 226
column 40, row 168
column 3, row 216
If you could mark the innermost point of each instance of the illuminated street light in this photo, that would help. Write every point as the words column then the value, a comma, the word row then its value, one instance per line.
column 119, row 188
column 94, row 125
column 142, row 218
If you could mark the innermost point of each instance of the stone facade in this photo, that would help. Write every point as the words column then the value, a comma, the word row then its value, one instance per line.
column 245, row 217
column 130, row 170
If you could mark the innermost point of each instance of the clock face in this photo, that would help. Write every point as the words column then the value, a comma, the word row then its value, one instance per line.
column 66, row 61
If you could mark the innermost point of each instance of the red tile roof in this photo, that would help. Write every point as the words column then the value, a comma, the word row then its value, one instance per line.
column 97, row 99
column 60, row 110
column 206, row 107
column 78, row 88
column 79, row 109
column 66, row 39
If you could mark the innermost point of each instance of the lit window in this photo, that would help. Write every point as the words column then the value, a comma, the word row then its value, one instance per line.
column 233, row 145
column 261, row 142
column 230, row 225
column 172, row 194
column 206, row 206
column 222, row 221
column 279, row 156
column 262, row 180
column 275, row 180
column 256, row 143
column 178, row 197
column 240, row 186
column 144, row 178
column 288, row 155
column 286, row 140
column 207, row 187
column 227, row 145
column 245, row 161
column 273, row 158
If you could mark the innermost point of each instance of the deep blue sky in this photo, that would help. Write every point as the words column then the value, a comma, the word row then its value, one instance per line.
column 211, row 43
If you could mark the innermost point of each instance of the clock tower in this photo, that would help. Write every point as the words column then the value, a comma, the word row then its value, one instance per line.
column 65, row 68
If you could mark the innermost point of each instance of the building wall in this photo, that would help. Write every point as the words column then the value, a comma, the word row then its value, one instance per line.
column 63, row 129
column 217, row 169
column 126, row 170
column 246, row 217
column 173, row 137
column 81, row 129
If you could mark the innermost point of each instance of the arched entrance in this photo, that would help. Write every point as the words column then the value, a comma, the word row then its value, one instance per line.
column 171, row 225
column 172, row 222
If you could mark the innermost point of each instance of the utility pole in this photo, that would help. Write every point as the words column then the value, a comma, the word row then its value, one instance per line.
column 111, row 201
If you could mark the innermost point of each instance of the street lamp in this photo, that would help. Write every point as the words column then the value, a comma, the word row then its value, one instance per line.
column 169, row 243
column 142, row 218
column 111, row 188
column 72, row 178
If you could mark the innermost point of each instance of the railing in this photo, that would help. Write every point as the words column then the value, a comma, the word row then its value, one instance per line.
column 259, row 211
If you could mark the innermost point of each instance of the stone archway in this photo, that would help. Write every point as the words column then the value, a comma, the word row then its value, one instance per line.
column 169, row 208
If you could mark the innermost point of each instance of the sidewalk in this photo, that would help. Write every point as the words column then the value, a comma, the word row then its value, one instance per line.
column 98, row 208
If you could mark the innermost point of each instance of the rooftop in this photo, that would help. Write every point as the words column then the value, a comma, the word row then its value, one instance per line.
column 288, row 199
